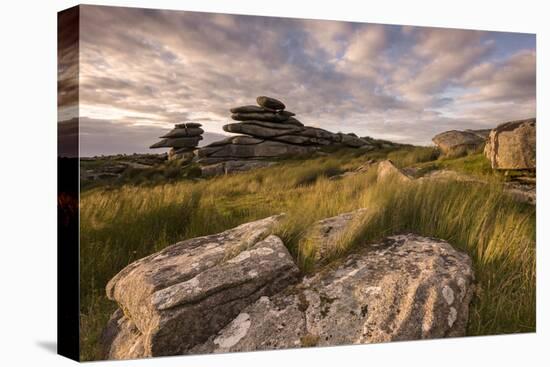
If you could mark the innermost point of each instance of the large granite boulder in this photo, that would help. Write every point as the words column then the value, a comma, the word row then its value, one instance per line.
column 482, row 133
column 176, row 298
column 405, row 288
column 512, row 145
column 457, row 143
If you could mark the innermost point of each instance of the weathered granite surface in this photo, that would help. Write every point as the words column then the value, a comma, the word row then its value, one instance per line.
column 405, row 288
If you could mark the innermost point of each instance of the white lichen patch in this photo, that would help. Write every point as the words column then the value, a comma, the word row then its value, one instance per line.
column 252, row 273
column 234, row 332
column 451, row 318
column 345, row 274
column 448, row 294
column 263, row 251
column 171, row 296
column 281, row 255
column 240, row 257
column 210, row 245
column 372, row 290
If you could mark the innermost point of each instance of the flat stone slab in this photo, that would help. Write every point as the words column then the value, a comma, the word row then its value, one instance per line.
column 183, row 132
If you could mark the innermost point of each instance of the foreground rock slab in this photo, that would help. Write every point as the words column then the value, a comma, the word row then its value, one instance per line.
column 407, row 287
column 177, row 298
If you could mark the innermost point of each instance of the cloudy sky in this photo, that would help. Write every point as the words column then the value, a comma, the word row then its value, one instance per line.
column 141, row 71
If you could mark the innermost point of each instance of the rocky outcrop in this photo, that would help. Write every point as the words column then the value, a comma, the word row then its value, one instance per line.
column 512, row 145
column 482, row 133
column 387, row 170
column 268, row 132
column 175, row 299
column 521, row 192
column 456, row 143
column 404, row 288
column 243, row 147
column 182, row 140
column 114, row 166
column 239, row 290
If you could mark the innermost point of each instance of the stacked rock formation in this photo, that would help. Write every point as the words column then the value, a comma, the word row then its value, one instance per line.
column 269, row 131
column 182, row 140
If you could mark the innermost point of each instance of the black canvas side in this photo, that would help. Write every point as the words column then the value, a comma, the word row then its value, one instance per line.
column 68, row 341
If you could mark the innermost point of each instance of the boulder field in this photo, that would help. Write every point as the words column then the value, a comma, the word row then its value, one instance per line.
column 509, row 146
column 240, row 290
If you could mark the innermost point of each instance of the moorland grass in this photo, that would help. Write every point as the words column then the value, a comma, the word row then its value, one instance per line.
column 122, row 224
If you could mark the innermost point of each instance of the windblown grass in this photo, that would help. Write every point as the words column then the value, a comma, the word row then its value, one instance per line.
column 122, row 224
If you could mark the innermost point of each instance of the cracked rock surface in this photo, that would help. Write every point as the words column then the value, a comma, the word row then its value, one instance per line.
column 175, row 299
column 239, row 290
column 407, row 287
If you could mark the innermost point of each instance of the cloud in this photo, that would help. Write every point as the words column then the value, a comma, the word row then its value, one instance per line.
column 512, row 80
column 152, row 68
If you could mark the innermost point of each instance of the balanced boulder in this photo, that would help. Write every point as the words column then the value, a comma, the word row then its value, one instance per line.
column 272, row 103
column 182, row 140
column 512, row 145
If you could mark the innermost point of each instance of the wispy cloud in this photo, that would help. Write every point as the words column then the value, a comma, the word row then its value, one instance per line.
column 154, row 68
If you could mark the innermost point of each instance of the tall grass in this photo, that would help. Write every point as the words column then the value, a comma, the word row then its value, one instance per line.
column 123, row 224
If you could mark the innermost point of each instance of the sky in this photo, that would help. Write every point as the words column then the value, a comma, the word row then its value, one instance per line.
column 141, row 71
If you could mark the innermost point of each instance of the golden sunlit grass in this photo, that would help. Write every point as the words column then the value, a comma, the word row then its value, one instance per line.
column 122, row 224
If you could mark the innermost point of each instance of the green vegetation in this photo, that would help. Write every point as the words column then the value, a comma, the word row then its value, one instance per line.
column 476, row 165
column 120, row 224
